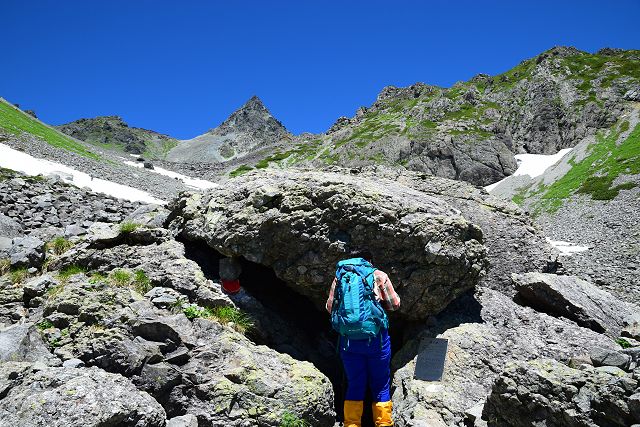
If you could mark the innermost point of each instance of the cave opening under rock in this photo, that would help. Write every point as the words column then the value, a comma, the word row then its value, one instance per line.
column 285, row 320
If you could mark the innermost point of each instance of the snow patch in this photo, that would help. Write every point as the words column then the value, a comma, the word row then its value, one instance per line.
column 566, row 248
column 201, row 184
column 533, row 165
column 23, row 162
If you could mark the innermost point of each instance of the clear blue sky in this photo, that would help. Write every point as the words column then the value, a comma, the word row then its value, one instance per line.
column 181, row 67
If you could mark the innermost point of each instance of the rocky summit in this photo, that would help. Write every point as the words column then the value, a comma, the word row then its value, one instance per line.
column 248, row 131
column 114, row 312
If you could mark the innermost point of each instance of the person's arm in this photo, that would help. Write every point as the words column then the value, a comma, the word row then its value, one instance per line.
column 329, row 303
column 388, row 297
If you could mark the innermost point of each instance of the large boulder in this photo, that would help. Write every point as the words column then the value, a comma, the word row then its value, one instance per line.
column 71, row 397
column 229, row 381
column 477, row 352
column 514, row 243
column 547, row 392
column 300, row 223
column 9, row 229
column 576, row 299
column 27, row 252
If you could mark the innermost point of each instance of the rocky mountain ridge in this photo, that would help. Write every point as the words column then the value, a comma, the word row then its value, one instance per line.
column 467, row 132
column 471, row 130
column 112, row 131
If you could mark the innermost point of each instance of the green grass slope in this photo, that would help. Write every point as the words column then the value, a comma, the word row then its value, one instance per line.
column 606, row 169
column 594, row 175
column 16, row 122
column 111, row 132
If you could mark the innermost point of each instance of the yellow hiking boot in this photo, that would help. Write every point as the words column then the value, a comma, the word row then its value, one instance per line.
column 352, row 413
column 382, row 413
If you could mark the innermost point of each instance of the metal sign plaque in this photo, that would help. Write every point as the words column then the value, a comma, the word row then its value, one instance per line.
column 431, row 359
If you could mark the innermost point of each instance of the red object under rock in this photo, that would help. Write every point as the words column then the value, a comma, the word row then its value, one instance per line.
column 231, row 286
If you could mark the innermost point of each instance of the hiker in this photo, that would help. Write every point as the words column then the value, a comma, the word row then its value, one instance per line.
column 358, row 315
column 230, row 270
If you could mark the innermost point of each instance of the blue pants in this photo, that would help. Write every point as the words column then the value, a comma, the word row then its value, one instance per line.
column 367, row 362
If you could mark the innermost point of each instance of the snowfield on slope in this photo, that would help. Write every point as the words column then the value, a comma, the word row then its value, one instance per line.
column 567, row 248
column 200, row 184
column 533, row 165
column 23, row 162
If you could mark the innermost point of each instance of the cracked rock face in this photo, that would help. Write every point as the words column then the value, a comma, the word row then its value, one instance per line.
column 72, row 397
column 300, row 223
column 514, row 243
column 546, row 392
column 229, row 381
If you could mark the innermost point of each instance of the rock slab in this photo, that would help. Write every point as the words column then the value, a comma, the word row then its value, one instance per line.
column 300, row 223
column 577, row 300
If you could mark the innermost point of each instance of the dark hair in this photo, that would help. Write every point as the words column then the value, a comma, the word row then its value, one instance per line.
column 362, row 253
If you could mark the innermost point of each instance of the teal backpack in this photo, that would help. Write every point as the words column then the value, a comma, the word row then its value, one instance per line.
column 355, row 313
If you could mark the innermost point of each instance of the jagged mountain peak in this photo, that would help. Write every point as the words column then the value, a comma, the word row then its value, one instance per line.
column 253, row 117
column 249, row 129
column 254, row 103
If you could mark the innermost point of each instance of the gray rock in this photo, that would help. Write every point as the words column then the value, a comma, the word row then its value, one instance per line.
column 163, row 297
column 631, row 331
column 149, row 250
column 38, row 286
column 149, row 215
column 183, row 421
column 158, row 378
column 169, row 329
column 634, row 405
column 74, row 230
column 73, row 397
column 576, row 299
column 23, row 343
column 9, row 228
column 633, row 352
column 73, row 363
column 546, row 392
column 27, row 251
column 608, row 357
column 5, row 246
column 286, row 220
column 478, row 350
column 202, row 368
column 614, row 370
column 514, row 243
column 237, row 381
